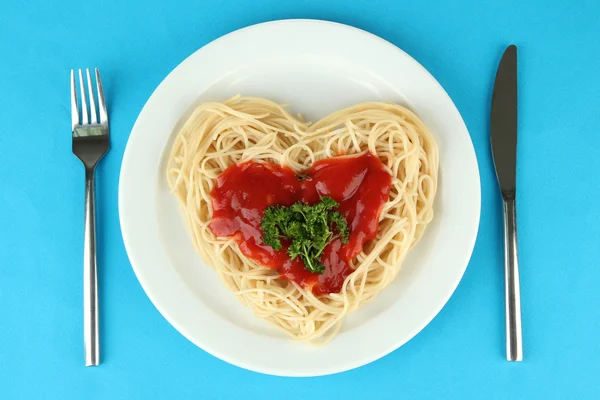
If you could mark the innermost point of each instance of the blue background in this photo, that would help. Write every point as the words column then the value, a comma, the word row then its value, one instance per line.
column 459, row 355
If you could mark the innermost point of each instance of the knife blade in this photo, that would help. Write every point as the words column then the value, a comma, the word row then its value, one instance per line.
column 503, row 122
column 503, row 137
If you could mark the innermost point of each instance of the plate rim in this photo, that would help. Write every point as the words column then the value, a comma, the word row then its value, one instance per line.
column 173, row 320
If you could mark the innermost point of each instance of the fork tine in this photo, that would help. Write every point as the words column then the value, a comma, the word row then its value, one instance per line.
column 84, row 112
column 74, row 110
column 94, row 119
column 101, row 102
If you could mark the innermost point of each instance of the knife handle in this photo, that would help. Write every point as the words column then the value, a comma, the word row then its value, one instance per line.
column 514, row 340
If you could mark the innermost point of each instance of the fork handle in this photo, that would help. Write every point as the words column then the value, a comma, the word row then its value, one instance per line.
column 90, row 276
column 514, row 342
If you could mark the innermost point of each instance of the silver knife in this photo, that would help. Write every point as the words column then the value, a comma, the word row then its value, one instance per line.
column 503, row 135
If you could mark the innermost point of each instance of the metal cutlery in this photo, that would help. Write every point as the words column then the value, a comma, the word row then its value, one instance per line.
column 91, row 140
column 503, row 135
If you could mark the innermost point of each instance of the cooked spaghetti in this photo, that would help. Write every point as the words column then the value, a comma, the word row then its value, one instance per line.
column 245, row 131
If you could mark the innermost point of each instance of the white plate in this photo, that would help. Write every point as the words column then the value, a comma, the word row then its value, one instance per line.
column 316, row 67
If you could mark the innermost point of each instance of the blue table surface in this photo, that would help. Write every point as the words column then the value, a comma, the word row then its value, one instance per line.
column 459, row 355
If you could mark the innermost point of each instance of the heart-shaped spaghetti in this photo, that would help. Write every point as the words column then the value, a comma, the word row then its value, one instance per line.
column 219, row 135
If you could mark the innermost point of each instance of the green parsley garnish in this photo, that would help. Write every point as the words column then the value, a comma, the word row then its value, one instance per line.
column 308, row 228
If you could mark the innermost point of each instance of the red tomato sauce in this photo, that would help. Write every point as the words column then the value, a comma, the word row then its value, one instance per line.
column 361, row 186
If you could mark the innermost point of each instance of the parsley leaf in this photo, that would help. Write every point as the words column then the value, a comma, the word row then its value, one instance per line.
column 309, row 229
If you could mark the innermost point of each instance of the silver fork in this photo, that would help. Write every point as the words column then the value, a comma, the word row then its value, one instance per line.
column 91, row 141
